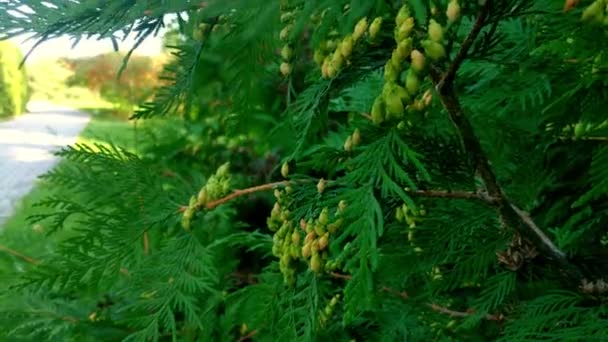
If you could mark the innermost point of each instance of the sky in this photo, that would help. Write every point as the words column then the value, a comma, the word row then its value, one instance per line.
column 62, row 47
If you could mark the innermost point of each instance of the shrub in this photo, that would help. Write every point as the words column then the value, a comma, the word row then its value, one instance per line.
column 338, row 170
column 14, row 90
column 48, row 79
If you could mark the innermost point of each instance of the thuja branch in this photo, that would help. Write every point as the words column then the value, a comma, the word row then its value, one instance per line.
column 461, row 55
column 467, row 195
column 509, row 213
column 240, row 192
column 19, row 255
column 435, row 307
column 243, row 192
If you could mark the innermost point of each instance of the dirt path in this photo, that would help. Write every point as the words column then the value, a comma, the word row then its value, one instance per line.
column 26, row 149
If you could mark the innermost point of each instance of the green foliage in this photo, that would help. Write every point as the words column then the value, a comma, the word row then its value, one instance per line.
column 453, row 193
column 14, row 89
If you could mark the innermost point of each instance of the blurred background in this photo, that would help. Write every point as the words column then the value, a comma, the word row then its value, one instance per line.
column 81, row 76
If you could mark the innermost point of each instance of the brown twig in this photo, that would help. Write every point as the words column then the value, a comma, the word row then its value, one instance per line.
column 19, row 255
column 584, row 138
column 366, row 115
column 146, row 243
column 341, row 276
column 239, row 193
column 513, row 217
column 461, row 55
column 435, row 307
column 243, row 192
column 401, row 294
column 248, row 336
column 452, row 313
column 469, row 195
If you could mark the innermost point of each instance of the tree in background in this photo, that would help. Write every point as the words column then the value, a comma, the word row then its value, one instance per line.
column 335, row 170
column 135, row 84
column 14, row 90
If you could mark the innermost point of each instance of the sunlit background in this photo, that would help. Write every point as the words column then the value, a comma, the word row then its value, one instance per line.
column 62, row 47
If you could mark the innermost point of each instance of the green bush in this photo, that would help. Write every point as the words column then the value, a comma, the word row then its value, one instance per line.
column 14, row 90
column 334, row 170
column 48, row 79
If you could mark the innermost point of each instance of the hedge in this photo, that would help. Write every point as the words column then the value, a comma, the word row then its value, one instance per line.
column 14, row 91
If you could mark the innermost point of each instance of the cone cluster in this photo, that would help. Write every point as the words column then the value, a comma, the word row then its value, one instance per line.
column 402, row 89
column 318, row 234
column 286, row 241
column 596, row 12
column 287, row 52
column 335, row 53
column 306, row 241
column 352, row 140
column 328, row 311
column 216, row 187
column 410, row 216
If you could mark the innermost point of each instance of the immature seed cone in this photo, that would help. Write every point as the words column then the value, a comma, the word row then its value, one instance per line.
column 453, row 11
column 315, row 263
column 285, row 69
column 402, row 15
column 356, row 137
column 222, row 171
column 378, row 110
column 360, row 29
column 434, row 50
column 346, row 48
column 198, row 34
column 435, row 31
column 321, row 186
column 390, row 73
column 331, row 70
column 295, row 237
column 405, row 29
column 324, row 216
column 285, row 170
column 324, row 67
column 323, row 241
column 310, row 237
column 399, row 214
column 287, row 16
column 411, row 82
column 186, row 218
column 427, row 97
column 418, row 60
column 402, row 93
column 394, row 106
column 594, row 12
column 306, row 250
column 395, row 60
column 202, row 197
column 337, row 59
column 285, row 32
column 374, row 28
column 348, row 144
column 286, row 52
column 404, row 48
column 579, row 130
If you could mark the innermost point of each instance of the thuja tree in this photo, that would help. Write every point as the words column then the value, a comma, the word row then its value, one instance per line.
column 348, row 170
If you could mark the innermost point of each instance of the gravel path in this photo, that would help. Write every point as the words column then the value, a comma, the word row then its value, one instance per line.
column 26, row 146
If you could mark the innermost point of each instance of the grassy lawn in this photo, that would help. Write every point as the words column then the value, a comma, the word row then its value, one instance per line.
column 19, row 236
